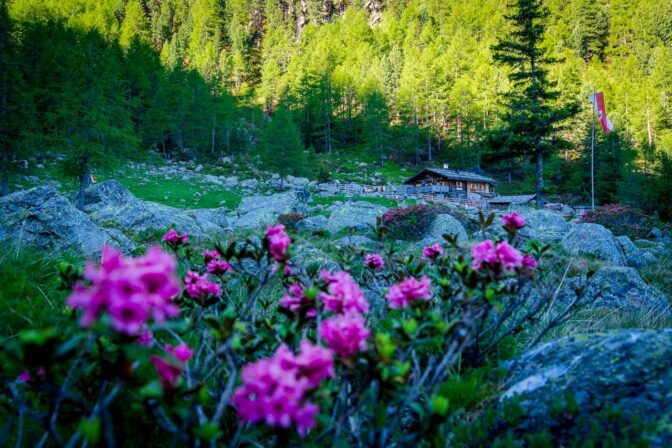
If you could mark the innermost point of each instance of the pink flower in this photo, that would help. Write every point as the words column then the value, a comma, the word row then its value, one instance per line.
column 182, row 352
column 274, row 389
column 174, row 239
column 25, row 376
column 513, row 221
column 529, row 262
column 218, row 267
column 346, row 334
column 295, row 299
column 374, row 262
column 343, row 294
column 431, row 252
column 199, row 287
column 509, row 256
column 210, row 255
column 278, row 242
column 168, row 372
column 483, row 253
column 131, row 290
column 145, row 338
column 408, row 291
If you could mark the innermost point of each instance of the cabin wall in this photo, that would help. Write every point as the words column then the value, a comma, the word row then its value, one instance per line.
column 435, row 179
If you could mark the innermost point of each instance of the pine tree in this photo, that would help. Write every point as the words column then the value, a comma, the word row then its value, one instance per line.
column 531, row 118
column 281, row 145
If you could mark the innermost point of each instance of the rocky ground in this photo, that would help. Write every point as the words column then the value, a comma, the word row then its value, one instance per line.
column 630, row 368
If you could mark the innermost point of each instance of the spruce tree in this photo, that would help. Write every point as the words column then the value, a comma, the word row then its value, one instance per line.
column 282, row 149
column 532, row 117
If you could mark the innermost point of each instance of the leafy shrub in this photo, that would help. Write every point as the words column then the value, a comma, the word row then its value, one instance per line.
column 222, row 356
column 409, row 223
column 291, row 220
column 620, row 219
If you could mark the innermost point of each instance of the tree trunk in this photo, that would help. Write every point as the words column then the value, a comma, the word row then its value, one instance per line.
column 4, row 166
column 539, row 190
column 163, row 145
column 83, row 180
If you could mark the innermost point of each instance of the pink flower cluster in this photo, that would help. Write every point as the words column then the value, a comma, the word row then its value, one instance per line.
column 346, row 334
column 174, row 239
column 274, row 389
column 374, row 262
column 432, row 252
column 199, row 287
column 296, row 301
column 343, row 293
column 278, row 242
column 210, row 255
column 487, row 254
column 513, row 221
column 168, row 370
column 131, row 290
column 218, row 267
column 408, row 291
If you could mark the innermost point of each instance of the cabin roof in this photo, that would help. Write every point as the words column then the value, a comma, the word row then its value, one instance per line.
column 516, row 199
column 466, row 176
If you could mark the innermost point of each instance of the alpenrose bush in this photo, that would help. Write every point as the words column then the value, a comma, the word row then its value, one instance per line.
column 215, row 358
column 409, row 222
column 620, row 219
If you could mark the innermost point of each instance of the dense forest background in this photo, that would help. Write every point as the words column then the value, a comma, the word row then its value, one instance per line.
column 411, row 81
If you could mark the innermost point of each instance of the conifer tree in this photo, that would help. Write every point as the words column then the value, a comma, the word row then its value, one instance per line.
column 531, row 118
column 282, row 149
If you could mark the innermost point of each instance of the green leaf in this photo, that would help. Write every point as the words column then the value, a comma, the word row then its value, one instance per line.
column 91, row 430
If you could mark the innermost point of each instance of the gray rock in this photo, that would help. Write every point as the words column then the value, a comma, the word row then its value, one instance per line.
column 633, row 256
column 358, row 215
column 594, row 240
column 110, row 192
column 658, row 249
column 354, row 240
column 249, row 184
column 217, row 216
column 630, row 370
column 312, row 257
column 622, row 289
column 544, row 226
column 314, row 222
column 120, row 241
column 43, row 218
column 255, row 211
column 444, row 224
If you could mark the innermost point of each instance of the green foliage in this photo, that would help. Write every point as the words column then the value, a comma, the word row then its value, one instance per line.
column 281, row 145
column 409, row 223
column 621, row 220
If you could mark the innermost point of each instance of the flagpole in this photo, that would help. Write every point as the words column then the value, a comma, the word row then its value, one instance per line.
column 592, row 156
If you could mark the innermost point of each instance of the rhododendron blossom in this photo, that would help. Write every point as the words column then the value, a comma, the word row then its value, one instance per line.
column 296, row 301
column 173, row 238
column 408, row 291
column 278, row 242
column 431, row 252
column 374, row 262
column 210, row 255
column 501, row 255
column 529, row 262
column 182, row 352
column 131, row 290
column 218, row 267
column 274, row 389
column 343, row 294
column 513, row 221
column 199, row 287
column 346, row 334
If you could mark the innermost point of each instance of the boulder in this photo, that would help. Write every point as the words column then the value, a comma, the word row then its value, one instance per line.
column 544, row 226
column 249, row 184
column 630, row 370
column 354, row 240
column 111, row 202
column 43, row 218
column 312, row 257
column 657, row 249
column 444, row 224
column 620, row 288
column 255, row 211
column 119, row 240
column 594, row 240
column 359, row 215
column 314, row 222
column 633, row 256
column 217, row 216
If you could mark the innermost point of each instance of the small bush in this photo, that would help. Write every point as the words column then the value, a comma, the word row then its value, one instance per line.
column 620, row 219
column 291, row 220
column 409, row 223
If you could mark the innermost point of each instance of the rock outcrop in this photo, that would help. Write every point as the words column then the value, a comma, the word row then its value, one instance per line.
column 42, row 217
column 544, row 226
column 630, row 370
column 596, row 241
column 444, row 224
column 256, row 211
column 633, row 255
column 358, row 215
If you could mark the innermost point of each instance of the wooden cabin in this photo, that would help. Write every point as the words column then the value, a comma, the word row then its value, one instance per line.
column 451, row 182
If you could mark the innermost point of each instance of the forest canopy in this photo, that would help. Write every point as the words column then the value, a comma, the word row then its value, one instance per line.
column 413, row 81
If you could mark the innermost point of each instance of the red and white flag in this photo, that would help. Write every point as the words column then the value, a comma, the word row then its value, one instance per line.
column 598, row 102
